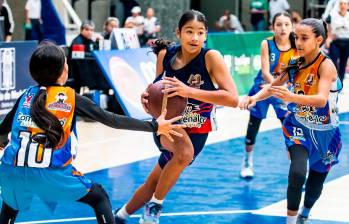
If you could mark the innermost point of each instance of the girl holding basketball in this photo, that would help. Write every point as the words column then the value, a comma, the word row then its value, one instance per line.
column 200, row 75
column 276, row 51
column 38, row 158
column 311, row 129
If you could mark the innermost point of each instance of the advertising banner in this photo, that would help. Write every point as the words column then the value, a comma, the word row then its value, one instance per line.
column 14, row 72
column 128, row 72
column 241, row 54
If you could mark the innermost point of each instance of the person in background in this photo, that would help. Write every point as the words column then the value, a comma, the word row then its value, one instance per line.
column 110, row 24
column 33, row 22
column 258, row 10
column 338, row 38
column 277, row 6
column 151, row 27
column 7, row 24
column 332, row 5
column 81, row 48
column 296, row 17
column 86, row 38
column 136, row 21
column 229, row 22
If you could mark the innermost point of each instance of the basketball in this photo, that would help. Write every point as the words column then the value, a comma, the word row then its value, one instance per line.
column 175, row 105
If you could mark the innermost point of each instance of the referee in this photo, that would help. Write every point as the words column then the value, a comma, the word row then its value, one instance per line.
column 7, row 24
column 339, row 36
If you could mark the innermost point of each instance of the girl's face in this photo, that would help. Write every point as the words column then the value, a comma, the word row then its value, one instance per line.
column 306, row 41
column 192, row 36
column 282, row 27
column 343, row 5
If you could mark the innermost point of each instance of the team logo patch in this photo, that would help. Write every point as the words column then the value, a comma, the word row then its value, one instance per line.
column 27, row 100
column 309, row 80
column 60, row 105
column 195, row 81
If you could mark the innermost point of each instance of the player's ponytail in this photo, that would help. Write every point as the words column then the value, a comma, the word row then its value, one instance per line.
column 46, row 66
column 160, row 44
column 45, row 120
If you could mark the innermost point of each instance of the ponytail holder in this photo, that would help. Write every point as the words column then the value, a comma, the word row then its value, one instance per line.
column 42, row 87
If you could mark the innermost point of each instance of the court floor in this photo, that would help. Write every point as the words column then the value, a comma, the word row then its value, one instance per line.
column 210, row 191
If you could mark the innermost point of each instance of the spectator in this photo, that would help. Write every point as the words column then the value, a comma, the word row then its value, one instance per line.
column 276, row 6
column 338, row 38
column 151, row 27
column 332, row 5
column 136, row 21
column 6, row 22
column 33, row 22
column 229, row 22
column 109, row 25
column 296, row 17
column 258, row 10
column 81, row 48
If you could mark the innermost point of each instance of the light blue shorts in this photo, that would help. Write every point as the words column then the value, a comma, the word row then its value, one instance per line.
column 20, row 184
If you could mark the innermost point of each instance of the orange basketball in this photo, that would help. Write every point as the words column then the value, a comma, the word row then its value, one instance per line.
column 175, row 105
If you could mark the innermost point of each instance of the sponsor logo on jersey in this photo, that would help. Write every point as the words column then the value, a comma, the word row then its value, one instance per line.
column 191, row 118
column 60, row 105
column 27, row 100
column 26, row 121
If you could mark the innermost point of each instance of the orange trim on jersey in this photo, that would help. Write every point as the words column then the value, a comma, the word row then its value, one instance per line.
column 68, row 162
column 77, row 173
column 284, row 130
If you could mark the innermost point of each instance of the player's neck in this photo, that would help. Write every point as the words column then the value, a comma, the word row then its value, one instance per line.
column 311, row 57
column 283, row 44
column 186, row 57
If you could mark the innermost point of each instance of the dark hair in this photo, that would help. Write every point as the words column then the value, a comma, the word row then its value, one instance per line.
column 291, row 36
column 319, row 27
column 46, row 66
column 86, row 23
column 188, row 16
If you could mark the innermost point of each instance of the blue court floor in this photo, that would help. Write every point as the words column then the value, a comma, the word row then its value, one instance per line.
column 210, row 191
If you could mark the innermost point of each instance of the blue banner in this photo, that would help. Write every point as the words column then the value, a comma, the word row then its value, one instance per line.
column 128, row 72
column 14, row 72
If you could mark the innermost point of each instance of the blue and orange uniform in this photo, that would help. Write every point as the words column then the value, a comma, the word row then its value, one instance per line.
column 313, row 127
column 31, row 168
column 199, row 117
column 278, row 62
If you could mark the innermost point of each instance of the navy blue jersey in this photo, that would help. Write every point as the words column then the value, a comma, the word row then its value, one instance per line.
column 199, row 117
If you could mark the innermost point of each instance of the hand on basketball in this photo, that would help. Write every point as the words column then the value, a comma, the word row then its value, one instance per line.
column 247, row 103
column 281, row 92
column 144, row 100
column 176, row 87
column 166, row 128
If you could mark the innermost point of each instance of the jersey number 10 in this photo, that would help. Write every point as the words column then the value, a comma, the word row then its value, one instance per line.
column 31, row 153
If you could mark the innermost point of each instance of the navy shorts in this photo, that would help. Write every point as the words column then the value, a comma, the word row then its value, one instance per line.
column 198, row 141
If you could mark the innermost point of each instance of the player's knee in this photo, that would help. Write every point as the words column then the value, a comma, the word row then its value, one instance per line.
column 184, row 157
column 296, row 177
column 96, row 196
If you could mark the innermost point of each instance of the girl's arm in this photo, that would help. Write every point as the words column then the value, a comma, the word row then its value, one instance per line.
column 86, row 107
column 249, row 101
column 327, row 73
column 226, row 95
column 265, row 62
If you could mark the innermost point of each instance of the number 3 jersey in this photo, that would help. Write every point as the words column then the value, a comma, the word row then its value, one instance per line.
column 23, row 150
